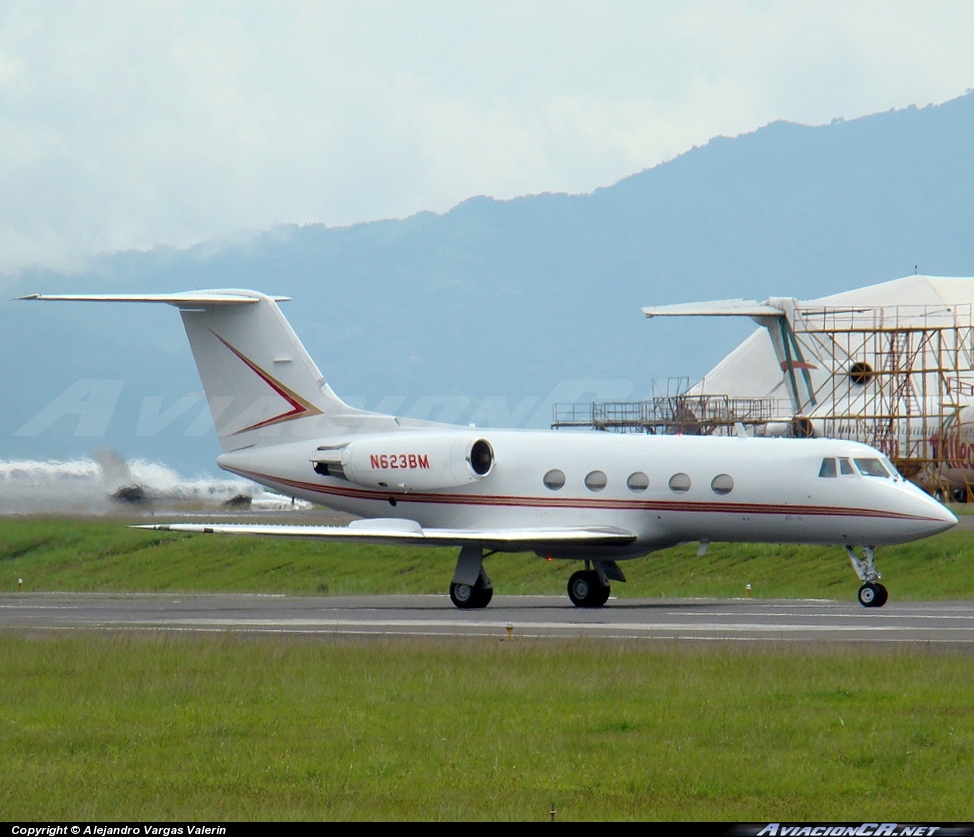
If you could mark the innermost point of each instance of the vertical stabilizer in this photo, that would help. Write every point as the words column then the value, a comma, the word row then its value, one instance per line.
column 261, row 384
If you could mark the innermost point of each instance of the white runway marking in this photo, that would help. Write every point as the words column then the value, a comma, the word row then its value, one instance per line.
column 535, row 617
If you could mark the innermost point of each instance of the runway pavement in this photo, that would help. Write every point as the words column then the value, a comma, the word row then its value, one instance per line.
column 735, row 620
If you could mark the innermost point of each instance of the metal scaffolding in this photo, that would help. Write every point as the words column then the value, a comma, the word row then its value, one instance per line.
column 700, row 415
column 899, row 376
column 895, row 377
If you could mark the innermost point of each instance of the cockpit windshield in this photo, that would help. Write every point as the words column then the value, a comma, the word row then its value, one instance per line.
column 868, row 467
column 889, row 466
column 872, row 468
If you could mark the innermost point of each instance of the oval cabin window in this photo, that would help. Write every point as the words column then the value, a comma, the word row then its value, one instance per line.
column 596, row 480
column 722, row 484
column 554, row 479
column 679, row 483
column 637, row 482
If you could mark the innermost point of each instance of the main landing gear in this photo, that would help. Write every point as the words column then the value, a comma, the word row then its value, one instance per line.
column 872, row 593
column 590, row 587
column 586, row 589
column 474, row 595
column 471, row 587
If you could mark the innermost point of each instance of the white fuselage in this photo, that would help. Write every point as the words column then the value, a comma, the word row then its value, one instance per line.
column 663, row 489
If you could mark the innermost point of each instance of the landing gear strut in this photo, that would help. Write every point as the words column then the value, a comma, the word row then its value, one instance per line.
column 471, row 587
column 872, row 593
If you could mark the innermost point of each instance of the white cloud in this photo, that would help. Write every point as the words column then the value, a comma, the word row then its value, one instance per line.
column 131, row 125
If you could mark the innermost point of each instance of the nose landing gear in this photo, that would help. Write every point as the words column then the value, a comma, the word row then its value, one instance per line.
column 872, row 593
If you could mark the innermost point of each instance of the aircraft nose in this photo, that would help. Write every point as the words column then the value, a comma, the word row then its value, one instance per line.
column 949, row 518
column 941, row 517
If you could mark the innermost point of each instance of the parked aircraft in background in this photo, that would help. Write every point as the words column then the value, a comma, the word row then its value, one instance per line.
column 593, row 497
column 891, row 365
column 102, row 483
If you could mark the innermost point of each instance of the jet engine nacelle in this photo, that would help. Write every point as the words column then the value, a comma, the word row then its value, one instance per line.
column 409, row 461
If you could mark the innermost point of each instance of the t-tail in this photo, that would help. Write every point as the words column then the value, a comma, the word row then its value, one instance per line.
column 261, row 385
column 802, row 362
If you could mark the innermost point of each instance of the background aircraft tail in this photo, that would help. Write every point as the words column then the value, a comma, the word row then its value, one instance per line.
column 261, row 384
column 801, row 362
column 894, row 355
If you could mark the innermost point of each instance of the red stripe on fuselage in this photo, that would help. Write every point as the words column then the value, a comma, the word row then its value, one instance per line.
column 351, row 492
column 299, row 406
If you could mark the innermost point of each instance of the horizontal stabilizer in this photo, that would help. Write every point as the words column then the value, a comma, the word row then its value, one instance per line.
column 187, row 298
column 410, row 532
column 718, row 308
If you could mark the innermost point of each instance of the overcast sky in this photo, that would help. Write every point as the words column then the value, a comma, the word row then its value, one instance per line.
column 128, row 125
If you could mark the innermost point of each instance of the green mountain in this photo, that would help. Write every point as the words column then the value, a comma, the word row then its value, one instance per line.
column 494, row 310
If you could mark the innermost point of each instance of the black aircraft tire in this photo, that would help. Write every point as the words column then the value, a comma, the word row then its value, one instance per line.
column 882, row 595
column 872, row 595
column 585, row 589
column 578, row 588
column 462, row 595
column 482, row 594
column 601, row 596
column 467, row 597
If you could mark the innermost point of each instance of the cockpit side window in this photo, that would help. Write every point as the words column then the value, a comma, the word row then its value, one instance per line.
column 827, row 469
column 889, row 466
column 845, row 467
column 872, row 468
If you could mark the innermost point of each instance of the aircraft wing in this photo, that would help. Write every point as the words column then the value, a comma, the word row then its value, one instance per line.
column 403, row 532
column 718, row 308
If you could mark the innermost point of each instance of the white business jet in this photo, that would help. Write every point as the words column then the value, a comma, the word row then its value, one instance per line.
column 595, row 497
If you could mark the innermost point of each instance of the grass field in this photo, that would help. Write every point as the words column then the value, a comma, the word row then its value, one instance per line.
column 151, row 727
column 104, row 555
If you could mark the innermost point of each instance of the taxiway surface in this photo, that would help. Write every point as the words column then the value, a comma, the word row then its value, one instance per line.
column 741, row 620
